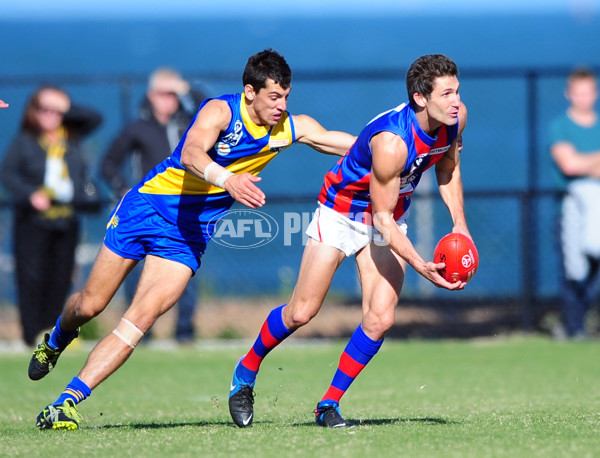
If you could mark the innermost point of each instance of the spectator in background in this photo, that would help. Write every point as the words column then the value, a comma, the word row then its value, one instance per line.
column 165, row 114
column 575, row 148
column 45, row 171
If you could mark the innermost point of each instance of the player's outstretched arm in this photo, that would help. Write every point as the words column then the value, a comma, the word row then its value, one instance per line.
column 313, row 134
column 215, row 117
column 389, row 157
column 3, row 104
column 447, row 171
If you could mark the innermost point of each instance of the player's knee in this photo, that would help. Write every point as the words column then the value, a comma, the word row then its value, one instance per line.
column 378, row 324
column 83, row 306
column 301, row 316
column 386, row 323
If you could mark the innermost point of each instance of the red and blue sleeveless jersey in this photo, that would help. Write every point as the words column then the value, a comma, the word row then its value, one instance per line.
column 346, row 185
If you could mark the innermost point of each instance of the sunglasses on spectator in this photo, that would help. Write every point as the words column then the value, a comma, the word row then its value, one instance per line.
column 166, row 93
column 49, row 111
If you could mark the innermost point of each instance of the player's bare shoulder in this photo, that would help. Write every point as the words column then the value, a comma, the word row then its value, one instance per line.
column 386, row 143
column 214, row 117
column 215, row 113
column 390, row 153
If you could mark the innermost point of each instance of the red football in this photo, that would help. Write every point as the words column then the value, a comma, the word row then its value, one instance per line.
column 460, row 255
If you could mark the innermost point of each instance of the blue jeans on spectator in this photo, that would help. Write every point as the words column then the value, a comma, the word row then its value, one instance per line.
column 578, row 297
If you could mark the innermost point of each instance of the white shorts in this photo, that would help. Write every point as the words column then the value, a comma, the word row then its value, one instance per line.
column 580, row 222
column 336, row 230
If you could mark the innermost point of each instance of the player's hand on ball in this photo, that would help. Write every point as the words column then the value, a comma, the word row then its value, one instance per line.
column 434, row 273
column 459, row 254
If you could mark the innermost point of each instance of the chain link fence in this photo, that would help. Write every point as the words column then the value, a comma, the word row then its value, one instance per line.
column 510, row 194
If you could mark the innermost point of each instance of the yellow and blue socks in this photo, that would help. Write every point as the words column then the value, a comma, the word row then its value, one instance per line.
column 77, row 390
column 272, row 333
column 357, row 354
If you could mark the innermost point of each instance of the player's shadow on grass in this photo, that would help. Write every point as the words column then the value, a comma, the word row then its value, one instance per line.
column 368, row 422
column 166, row 425
column 391, row 421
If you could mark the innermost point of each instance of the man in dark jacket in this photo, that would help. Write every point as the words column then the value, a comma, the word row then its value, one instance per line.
column 165, row 114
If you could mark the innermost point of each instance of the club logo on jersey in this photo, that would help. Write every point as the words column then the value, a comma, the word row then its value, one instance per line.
column 243, row 229
column 413, row 172
column 416, row 164
column 224, row 146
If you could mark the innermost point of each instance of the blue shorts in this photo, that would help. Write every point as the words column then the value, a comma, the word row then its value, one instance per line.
column 135, row 230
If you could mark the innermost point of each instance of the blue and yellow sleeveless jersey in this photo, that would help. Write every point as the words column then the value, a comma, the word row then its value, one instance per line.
column 186, row 200
column 346, row 185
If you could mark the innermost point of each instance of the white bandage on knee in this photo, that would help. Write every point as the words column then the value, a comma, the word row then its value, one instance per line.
column 128, row 332
column 216, row 174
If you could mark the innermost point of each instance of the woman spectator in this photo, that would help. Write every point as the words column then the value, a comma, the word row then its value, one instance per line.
column 45, row 172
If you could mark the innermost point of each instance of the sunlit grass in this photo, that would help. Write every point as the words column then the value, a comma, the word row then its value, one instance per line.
column 516, row 397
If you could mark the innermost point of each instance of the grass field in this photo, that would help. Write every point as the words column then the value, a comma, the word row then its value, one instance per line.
column 515, row 397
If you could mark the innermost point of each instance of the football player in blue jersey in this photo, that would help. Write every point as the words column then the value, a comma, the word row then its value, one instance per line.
column 168, row 219
column 363, row 208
